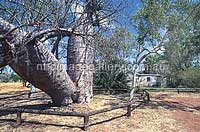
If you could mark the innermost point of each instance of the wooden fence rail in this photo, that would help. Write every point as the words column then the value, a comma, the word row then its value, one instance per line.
column 86, row 115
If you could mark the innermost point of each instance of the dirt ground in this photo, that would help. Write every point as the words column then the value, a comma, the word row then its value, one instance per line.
column 166, row 112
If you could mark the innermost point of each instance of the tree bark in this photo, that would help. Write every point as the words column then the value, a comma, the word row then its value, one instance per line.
column 36, row 64
column 80, row 54
column 80, row 66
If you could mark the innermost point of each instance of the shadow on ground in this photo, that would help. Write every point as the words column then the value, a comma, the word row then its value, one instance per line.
column 164, row 100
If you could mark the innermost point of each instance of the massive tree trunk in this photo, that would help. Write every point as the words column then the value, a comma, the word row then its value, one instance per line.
column 39, row 66
column 36, row 64
column 80, row 66
column 80, row 54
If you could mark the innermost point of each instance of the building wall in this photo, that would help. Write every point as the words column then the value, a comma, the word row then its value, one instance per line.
column 146, row 80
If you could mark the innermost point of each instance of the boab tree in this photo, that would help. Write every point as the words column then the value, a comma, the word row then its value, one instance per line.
column 25, row 28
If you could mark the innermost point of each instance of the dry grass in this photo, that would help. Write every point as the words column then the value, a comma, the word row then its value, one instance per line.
column 152, row 117
column 11, row 87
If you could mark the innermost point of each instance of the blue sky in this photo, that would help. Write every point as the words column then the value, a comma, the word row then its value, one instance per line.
column 125, row 16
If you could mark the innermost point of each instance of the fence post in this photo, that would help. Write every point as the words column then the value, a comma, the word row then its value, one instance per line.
column 86, row 122
column 148, row 97
column 129, row 110
column 19, row 118
column 143, row 96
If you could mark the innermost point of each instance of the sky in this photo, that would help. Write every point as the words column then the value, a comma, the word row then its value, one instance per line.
column 132, row 6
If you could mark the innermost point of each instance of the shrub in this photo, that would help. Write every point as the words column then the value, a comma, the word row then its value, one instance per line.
column 190, row 77
column 114, row 81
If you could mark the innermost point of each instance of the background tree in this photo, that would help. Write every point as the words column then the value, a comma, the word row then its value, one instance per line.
column 167, row 27
column 180, row 50
column 149, row 23
column 112, row 55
